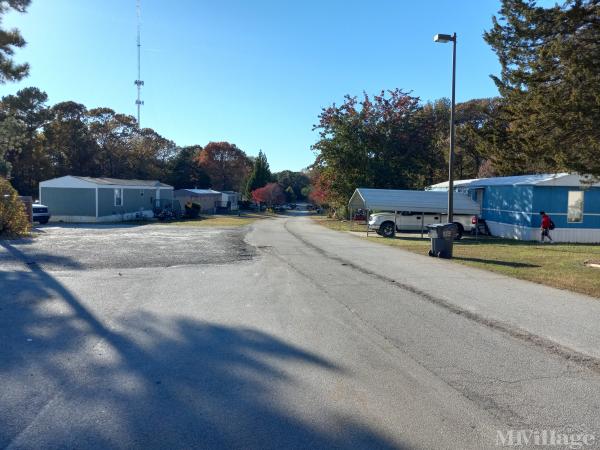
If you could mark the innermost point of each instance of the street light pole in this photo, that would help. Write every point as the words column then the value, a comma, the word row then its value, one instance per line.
column 450, row 38
column 451, row 158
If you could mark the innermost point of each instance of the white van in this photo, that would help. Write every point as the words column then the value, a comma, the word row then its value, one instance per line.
column 40, row 213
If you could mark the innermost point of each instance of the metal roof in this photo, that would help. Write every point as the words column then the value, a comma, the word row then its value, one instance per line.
column 519, row 180
column 544, row 179
column 72, row 181
column 199, row 191
column 443, row 186
column 120, row 182
column 416, row 201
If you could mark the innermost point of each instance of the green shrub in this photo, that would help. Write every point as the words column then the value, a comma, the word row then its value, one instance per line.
column 341, row 212
column 13, row 218
column 192, row 210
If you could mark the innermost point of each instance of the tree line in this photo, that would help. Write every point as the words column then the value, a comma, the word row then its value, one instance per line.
column 40, row 141
column 544, row 120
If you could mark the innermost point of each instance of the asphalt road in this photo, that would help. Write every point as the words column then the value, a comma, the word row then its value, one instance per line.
column 276, row 343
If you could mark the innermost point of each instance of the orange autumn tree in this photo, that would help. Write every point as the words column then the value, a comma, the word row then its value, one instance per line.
column 226, row 165
column 320, row 186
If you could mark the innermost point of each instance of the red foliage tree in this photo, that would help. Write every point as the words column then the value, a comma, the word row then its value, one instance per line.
column 271, row 194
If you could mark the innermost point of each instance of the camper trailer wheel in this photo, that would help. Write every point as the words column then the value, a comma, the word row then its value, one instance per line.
column 387, row 229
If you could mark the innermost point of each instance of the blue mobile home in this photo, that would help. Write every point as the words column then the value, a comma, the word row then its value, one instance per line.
column 511, row 205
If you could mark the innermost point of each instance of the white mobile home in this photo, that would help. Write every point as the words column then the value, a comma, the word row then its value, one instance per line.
column 229, row 200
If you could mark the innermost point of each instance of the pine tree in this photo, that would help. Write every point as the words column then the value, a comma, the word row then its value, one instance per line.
column 9, row 39
column 260, row 175
column 550, row 84
column 9, row 70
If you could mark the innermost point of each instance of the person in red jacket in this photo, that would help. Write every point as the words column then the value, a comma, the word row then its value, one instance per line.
column 546, row 226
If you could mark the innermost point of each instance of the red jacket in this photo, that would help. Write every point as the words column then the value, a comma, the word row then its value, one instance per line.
column 546, row 221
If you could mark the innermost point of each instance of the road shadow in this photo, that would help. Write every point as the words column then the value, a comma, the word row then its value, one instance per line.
column 408, row 238
column 33, row 260
column 496, row 262
column 298, row 213
column 149, row 381
column 20, row 240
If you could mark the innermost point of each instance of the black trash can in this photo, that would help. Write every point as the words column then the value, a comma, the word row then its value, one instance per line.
column 442, row 239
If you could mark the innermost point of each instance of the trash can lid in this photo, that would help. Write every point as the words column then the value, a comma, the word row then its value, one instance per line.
column 447, row 225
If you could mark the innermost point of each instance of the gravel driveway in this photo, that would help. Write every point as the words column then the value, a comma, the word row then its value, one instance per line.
column 125, row 246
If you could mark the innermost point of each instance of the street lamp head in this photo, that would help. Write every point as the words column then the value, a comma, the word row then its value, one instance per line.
column 443, row 38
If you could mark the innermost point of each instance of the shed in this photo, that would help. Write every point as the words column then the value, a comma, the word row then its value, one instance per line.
column 406, row 200
column 511, row 205
column 86, row 199
column 229, row 200
column 206, row 198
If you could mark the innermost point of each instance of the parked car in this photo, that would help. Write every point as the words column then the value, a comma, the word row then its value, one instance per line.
column 383, row 223
column 40, row 213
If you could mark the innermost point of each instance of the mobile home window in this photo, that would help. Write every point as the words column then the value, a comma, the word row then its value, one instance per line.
column 575, row 207
column 118, row 197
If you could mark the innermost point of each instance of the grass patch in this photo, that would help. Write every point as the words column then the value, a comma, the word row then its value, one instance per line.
column 557, row 265
column 219, row 220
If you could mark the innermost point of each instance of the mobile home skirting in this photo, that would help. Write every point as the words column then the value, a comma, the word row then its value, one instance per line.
column 146, row 214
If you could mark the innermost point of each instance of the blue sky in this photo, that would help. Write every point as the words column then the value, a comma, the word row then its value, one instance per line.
column 252, row 72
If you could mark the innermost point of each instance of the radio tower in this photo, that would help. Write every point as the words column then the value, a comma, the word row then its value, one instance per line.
column 139, row 83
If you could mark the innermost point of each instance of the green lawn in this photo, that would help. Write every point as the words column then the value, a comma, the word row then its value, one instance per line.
column 558, row 265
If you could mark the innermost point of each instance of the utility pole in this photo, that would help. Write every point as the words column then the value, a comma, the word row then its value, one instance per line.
column 139, row 83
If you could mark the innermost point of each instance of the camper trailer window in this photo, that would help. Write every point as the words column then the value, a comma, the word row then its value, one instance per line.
column 575, row 206
column 118, row 197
